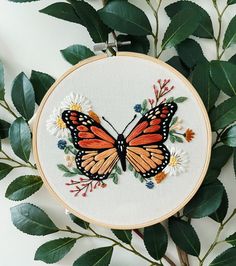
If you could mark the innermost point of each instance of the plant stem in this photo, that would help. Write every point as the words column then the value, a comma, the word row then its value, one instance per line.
column 7, row 107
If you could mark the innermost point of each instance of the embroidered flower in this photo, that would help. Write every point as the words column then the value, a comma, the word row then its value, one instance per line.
column 94, row 116
column 137, row 108
column 178, row 162
column 177, row 124
column 189, row 135
column 76, row 102
column 70, row 160
column 150, row 184
column 160, row 177
column 55, row 125
column 61, row 144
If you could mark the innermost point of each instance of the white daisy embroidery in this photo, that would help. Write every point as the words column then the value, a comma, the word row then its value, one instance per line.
column 76, row 102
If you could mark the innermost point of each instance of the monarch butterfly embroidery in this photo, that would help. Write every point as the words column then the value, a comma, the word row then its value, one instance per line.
column 143, row 148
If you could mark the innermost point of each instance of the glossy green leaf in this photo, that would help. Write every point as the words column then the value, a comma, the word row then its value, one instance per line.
column 54, row 250
column 230, row 34
column 224, row 114
column 2, row 90
column 139, row 44
column 233, row 59
column 91, row 20
column 79, row 221
column 31, row 220
column 205, row 28
column 124, row 235
column 207, row 90
column 179, row 29
column 95, row 257
column 75, row 53
column 23, row 187
column 5, row 169
column 231, row 2
column 223, row 75
column 23, row 96
column 62, row 11
column 4, row 129
column 184, row 236
column 41, row 83
column 227, row 258
column 177, row 63
column 206, row 201
column 156, row 240
column 231, row 240
column 20, row 138
column 190, row 53
column 229, row 136
column 126, row 18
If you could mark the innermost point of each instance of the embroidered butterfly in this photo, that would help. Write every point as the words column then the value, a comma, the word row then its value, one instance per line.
column 143, row 148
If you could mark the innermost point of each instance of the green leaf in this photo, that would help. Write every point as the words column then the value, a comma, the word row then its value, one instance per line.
column 91, row 20
column 205, row 28
column 75, row 53
column 224, row 114
column 184, row 236
column 55, row 250
column 231, row 2
column 176, row 63
column 5, row 169
column 229, row 137
column 227, row 258
column 63, row 168
column 223, row 75
column 233, row 59
column 230, row 34
column 23, row 96
column 62, row 11
column 125, row 17
column 79, row 221
column 231, row 240
column 124, row 235
column 207, row 90
column 180, row 99
column 219, row 157
column 31, row 220
column 23, row 187
column 4, row 129
column 139, row 44
column 41, row 83
column 2, row 90
column 99, row 257
column 155, row 240
column 20, row 138
column 206, row 201
column 190, row 53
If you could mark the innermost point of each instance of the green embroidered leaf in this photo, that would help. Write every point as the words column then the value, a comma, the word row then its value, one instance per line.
column 206, row 201
column 91, row 20
column 205, row 28
column 5, row 169
column 176, row 63
column 139, row 44
column 63, row 168
column 190, row 53
column 79, row 221
column 156, row 241
column 229, row 136
column 41, row 83
column 4, row 129
column 180, row 99
column 230, row 34
column 55, row 250
column 62, row 11
column 224, row 114
column 184, row 236
column 2, row 90
column 20, row 138
column 99, row 257
column 30, row 219
column 76, row 53
column 231, row 240
column 124, row 235
column 227, row 258
column 207, row 90
column 223, row 75
column 23, row 187
column 125, row 17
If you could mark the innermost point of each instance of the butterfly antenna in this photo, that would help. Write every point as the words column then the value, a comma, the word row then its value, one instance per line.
column 129, row 123
column 109, row 124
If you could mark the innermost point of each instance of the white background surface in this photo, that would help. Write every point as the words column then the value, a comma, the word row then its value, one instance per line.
column 31, row 40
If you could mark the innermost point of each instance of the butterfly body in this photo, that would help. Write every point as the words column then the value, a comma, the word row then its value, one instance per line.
column 121, row 149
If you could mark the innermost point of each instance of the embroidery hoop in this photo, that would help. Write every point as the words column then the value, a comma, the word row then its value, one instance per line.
column 120, row 226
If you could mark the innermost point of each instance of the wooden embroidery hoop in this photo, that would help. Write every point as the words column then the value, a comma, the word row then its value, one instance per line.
column 203, row 110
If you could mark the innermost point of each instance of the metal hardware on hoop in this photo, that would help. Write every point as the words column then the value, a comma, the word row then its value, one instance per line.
column 108, row 47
